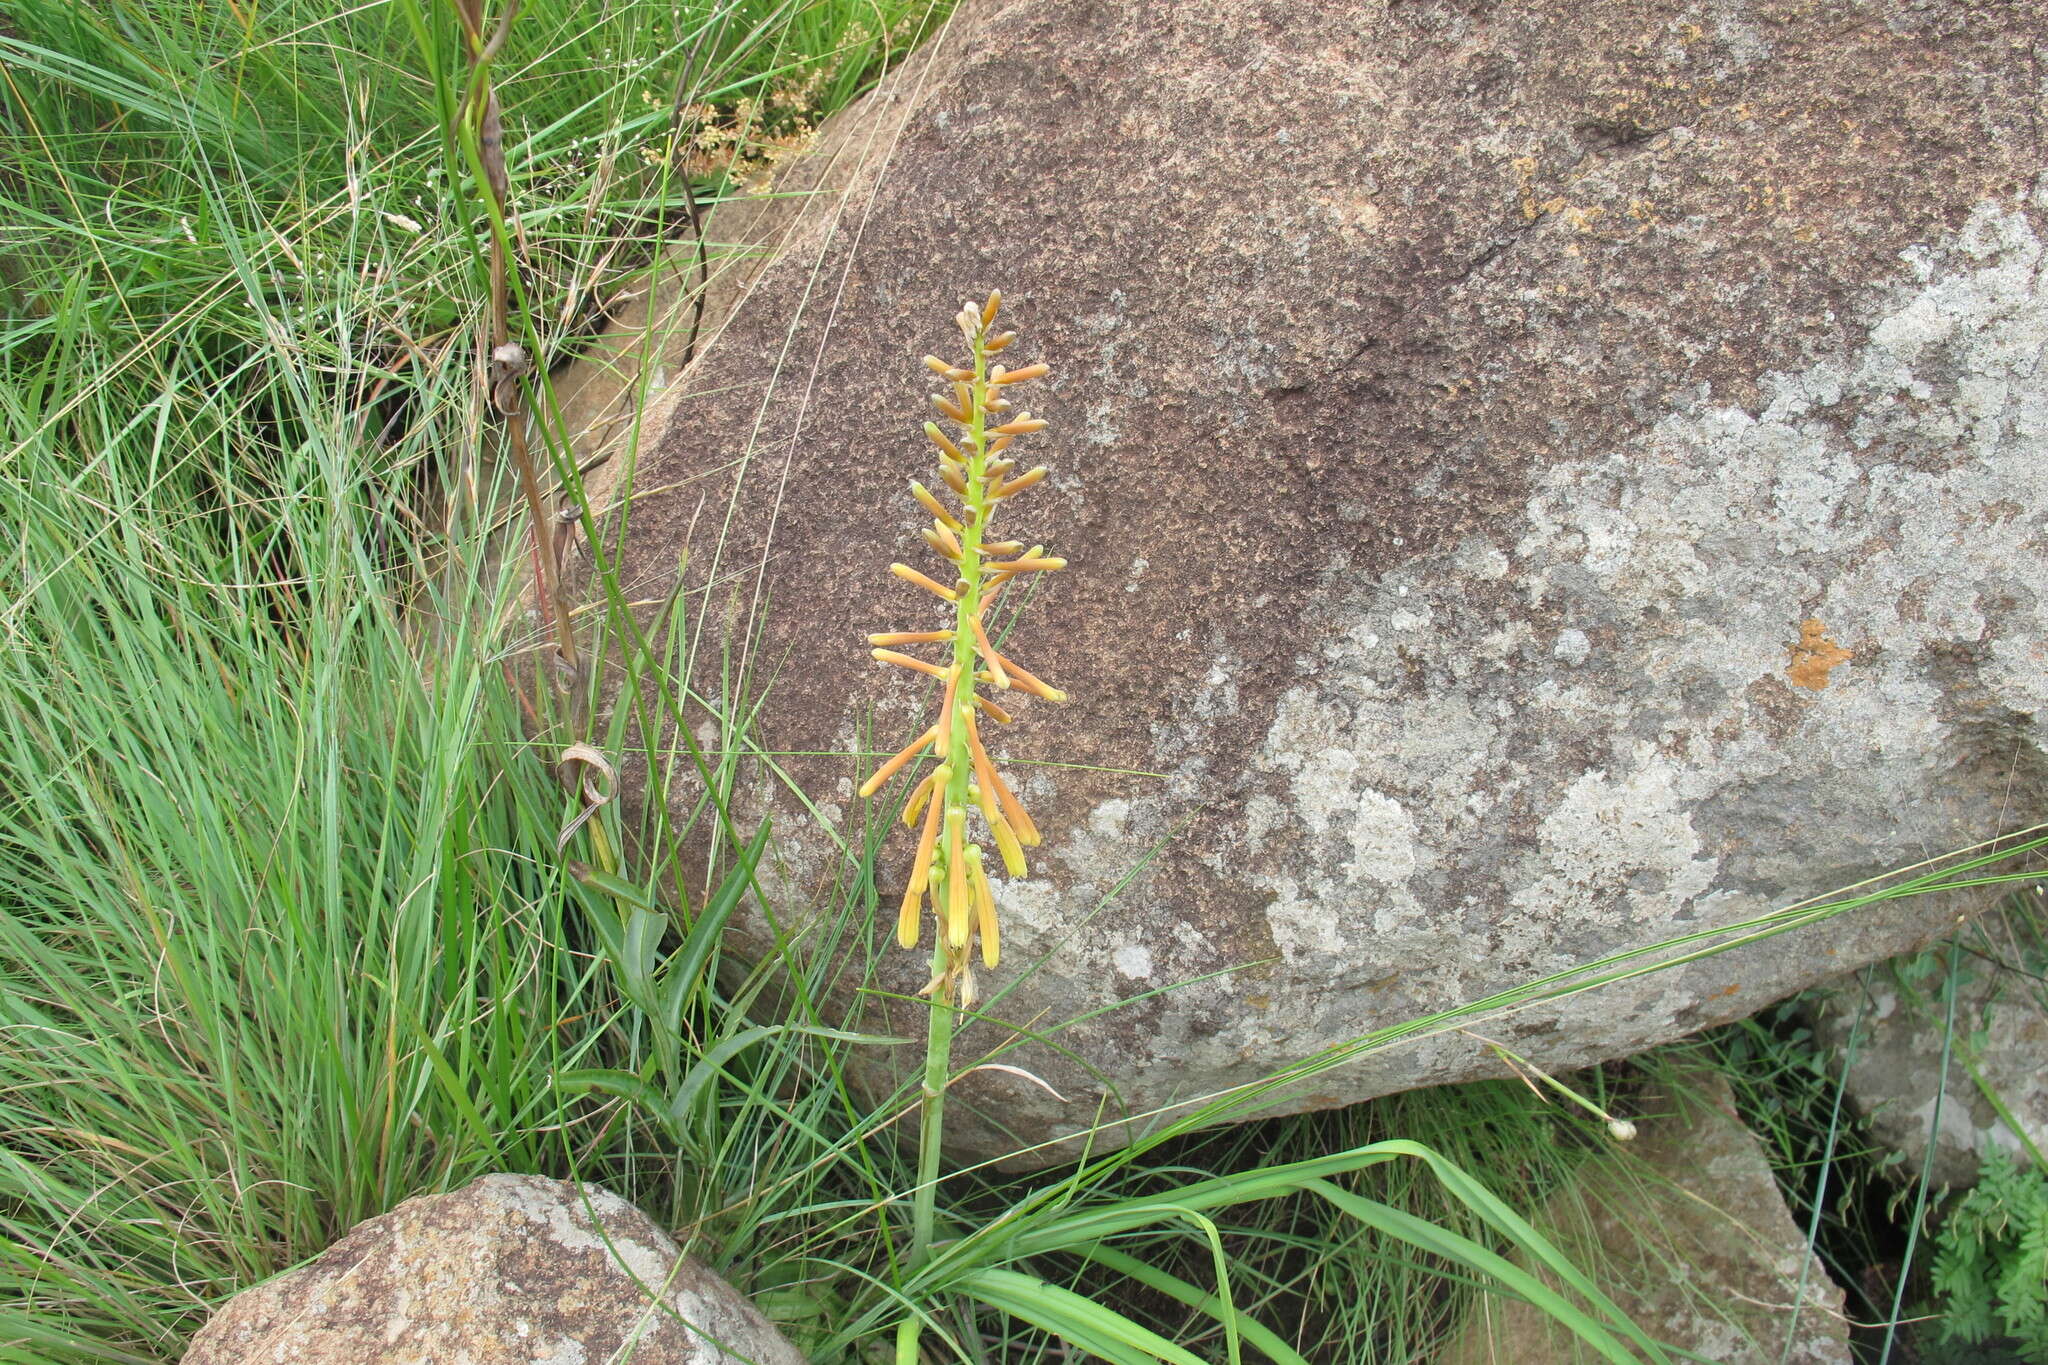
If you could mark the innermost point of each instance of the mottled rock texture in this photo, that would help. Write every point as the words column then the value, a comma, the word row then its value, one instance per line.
column 1686, row 1231
column 508, row 1270
column 1887, row 1026
column 1538, row 480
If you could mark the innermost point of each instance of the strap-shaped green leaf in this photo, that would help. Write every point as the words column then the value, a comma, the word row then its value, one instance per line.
column 1087, row 1324
column 1173, row 1286
column 687, row 967
column 1461, row 1250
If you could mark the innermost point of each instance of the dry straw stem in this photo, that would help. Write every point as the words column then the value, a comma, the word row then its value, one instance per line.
column 483, row 130
column 965, row 804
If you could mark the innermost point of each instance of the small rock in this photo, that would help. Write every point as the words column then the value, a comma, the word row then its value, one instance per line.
column 510, row 1269
column 1686, row 1231
column 1888, row 1023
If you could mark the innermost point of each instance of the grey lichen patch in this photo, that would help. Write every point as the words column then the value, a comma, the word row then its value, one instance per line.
column 605, row 1226
column 1632, row 833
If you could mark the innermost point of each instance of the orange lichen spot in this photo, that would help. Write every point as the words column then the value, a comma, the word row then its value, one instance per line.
column 1814, row 656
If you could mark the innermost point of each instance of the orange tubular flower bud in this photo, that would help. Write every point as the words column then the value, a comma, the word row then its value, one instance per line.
column 939, row 402
column 1000, row 444
column 948, row 546
column 958, row 889
column 1029, row 565
column 938, row 366
column 927, row 500
column 1007, row 845
column 921, row 867
column 939, row 439
column 943, row 545
column 955, row 480
column 1020, row 483
column 1038, row 371
column 907, row 915
column 995, row 713
column 910, row 575
column 963, row 397
column 988, row 652
column 984, row 909
column 1024, row 425
column 1006, row 838
column 910, row 637
column 986, row 774
column 998, row 342
column 988, row 310
column 890, row 656
column 997, row 581
column 1024, row 680
column 1003, row 547
column 903, row 756
column 915, row 806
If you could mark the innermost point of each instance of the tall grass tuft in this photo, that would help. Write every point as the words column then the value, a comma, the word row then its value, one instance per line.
column 284, row 936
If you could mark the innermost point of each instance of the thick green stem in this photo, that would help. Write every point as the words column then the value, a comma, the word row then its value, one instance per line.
column 938, row 1066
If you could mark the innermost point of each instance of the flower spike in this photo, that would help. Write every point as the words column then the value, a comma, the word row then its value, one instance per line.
column 966, row 814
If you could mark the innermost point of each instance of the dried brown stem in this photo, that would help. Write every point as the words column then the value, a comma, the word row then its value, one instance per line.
column 509, row 361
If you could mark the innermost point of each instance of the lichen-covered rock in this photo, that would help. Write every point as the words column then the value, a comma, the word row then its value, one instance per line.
column 1686, row 1231
column 508, row 1270
column 1538, row 480
column 1887, row 1027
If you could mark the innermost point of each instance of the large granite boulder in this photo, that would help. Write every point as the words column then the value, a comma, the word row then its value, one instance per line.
column 1538, row 480
column 508, row 1270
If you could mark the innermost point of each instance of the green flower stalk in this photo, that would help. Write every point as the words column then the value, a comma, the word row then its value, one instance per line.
column 949, row 868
